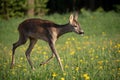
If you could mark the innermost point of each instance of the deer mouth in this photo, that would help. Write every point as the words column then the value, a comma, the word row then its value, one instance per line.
column 81, row 32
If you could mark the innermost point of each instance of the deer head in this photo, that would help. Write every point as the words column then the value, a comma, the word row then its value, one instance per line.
column 73, row 20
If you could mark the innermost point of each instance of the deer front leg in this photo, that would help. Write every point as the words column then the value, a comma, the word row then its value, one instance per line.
column 52, row 46
column 32, row 43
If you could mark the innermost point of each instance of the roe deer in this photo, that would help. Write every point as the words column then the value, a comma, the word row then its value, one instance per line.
column 48, row 31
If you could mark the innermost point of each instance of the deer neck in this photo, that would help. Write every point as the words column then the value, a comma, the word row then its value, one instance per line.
column 62, row 29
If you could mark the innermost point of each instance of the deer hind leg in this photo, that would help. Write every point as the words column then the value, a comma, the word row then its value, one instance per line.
column 31, row 45
column 42, row 63
column 22, row 40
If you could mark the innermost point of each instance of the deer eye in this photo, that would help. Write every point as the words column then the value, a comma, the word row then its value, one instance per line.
column 75, row 26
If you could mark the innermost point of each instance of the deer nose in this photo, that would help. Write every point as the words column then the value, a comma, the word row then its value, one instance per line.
column 81, row 32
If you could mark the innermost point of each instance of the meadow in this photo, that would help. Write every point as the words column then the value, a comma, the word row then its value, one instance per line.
column 94, row 56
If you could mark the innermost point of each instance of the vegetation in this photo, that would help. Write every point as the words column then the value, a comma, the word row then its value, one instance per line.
column 94, row 56
column 20, row 8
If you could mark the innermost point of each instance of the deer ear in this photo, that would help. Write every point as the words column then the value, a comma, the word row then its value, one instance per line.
column 76, row 16
column 71, row 18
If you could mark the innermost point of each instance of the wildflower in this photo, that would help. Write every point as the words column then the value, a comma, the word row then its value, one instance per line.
column 103, row 48
column 118, row 73
column 44, row 52
column 38, row 48
column 100, row 62
column 86, row 76
column 119, row 69
column 74, row 78
column 81, row 60
column 10, row 52
column 21, row 58
column 62, row 78
column 103, row 33
column 111, row 42
column 19, row 65
column 66, row 42
column 46, row 56
column 13, row 72
column 54, row 74
column 101, row 67
column 73, row 38
column 66, row 66
column 25, row 70
column 92, row 58
column 61, row 60
column 68, row 39
column 96, row 57
column 117, row 60
column 77, row 68
column 5, row 48
column 79, row 48
column 72, row 52
column 64, row 74
column 118, row 51
column 118, row 45
column 85, row 37
column 106, row 61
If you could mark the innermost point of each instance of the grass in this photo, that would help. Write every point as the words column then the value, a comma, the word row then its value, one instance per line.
column 94, row 56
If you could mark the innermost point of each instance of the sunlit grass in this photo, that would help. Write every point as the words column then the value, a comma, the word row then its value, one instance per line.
column 94, row 56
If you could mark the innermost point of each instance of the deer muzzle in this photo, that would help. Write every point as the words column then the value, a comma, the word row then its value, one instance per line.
column 81, row 32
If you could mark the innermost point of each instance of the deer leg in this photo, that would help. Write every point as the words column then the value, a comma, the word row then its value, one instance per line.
column 31, row 45
column 42, row 63
column 52, row 46
column 15, row 45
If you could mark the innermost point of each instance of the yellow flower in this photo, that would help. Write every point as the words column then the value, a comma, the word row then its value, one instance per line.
column 62, row 78
column 46, row 56
column 79, row 48
column 96, row 57
column 103, row 48
column 85, row 37
column 68, row 39
column 92, row 58
column 13, row 72
column 73, row 38
column 72, row 52
column 77, row 68
column 117, row 60
column 111, row 42
column 64, row 74
column 86, row 76
column 19, row 65
column 118, row 51
column 101, row 67
column 119, row 69
column 44, row 52
column 54, row 74
column 81, row 60
column 100, row 62
column 25, row 70
column 66, row 66
column 74, row 78
column 118, row 45
column 67, row 42
column 21, row 58
column 103, row 33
